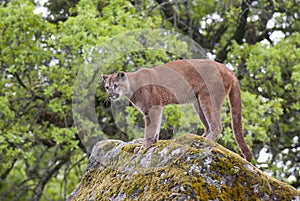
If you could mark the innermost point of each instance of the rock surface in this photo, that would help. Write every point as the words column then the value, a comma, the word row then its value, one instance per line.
column 186, row 168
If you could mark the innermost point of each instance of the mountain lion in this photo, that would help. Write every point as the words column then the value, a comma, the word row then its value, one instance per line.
column 203, row 83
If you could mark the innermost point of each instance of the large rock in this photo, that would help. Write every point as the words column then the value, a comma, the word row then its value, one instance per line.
column 186, row 168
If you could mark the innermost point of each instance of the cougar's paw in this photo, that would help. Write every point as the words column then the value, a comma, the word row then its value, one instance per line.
column 143, row 147
column 205, row 134
column 147, row 143
column 140, row 150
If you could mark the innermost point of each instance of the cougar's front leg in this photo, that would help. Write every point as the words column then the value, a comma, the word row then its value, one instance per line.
column 152, row 125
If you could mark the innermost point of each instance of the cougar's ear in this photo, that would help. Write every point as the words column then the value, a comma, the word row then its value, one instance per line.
column 121, row 75
column 104, row 77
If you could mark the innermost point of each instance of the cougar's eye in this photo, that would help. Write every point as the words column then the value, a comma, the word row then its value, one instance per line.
column 116, row 86
column 106, row 87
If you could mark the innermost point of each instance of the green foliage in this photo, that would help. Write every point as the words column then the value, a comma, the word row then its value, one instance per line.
column 258, row 117
column 173, row 116
column 39, row 62
column 273, row 76
column 132, row 122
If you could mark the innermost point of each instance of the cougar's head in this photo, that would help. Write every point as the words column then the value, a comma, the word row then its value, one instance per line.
column 116, row 85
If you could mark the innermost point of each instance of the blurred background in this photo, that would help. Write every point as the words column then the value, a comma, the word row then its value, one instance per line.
column 44, row 44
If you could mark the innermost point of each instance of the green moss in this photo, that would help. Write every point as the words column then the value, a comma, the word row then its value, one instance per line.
column 186, row 168
column 130, row 148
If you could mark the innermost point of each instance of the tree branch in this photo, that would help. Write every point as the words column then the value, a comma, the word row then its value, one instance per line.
column 20, row 81
column 38, row 190
column 7, row 171
column 239, row 32
column 185, row 25
column 216, row 37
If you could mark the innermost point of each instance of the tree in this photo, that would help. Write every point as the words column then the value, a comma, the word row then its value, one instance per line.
column 40, row 58
column 40, row 148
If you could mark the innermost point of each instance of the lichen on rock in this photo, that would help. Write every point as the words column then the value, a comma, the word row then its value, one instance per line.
column 189, row 167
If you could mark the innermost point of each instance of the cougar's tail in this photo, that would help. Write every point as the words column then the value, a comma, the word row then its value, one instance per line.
column 236, row 119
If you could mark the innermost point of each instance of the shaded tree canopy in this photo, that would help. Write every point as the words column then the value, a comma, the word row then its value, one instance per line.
column 42, row 156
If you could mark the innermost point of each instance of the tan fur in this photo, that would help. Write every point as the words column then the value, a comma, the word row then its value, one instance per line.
column 201, row 82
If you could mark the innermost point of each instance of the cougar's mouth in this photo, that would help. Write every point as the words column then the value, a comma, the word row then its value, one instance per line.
column 114, row 96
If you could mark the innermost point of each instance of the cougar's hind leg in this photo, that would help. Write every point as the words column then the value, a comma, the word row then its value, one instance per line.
column 212, row 113
column 202, row 118
column 152, row 127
